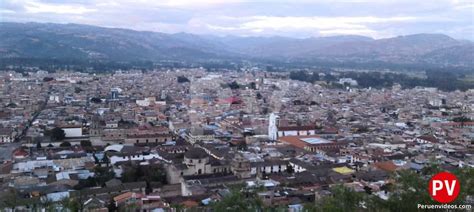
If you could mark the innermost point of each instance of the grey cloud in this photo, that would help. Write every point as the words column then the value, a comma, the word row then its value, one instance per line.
column 454, row 18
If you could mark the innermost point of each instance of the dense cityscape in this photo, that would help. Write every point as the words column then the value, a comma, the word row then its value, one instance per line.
column 236, row 105
column 249, row 139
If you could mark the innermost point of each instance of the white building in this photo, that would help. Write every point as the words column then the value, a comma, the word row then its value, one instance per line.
column 73, row 132
column 272, row 127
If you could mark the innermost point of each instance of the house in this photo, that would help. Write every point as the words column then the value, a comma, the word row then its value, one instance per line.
column 425, row 139
column 6, row 135
column 268, row 166
column 95, row 204
column 128, row 198
column 387, row 166
column 20, row 153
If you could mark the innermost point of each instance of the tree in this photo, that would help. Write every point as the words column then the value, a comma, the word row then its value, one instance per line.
column 466, row 179
column 182, row 79
column 70, row 204
column 407, row 191
column 112, row 207
column 177, row 207
column 47, row 79
column 105, row 160
column 65, row 144
column 86, row 183
column 57, row 134
column 462, row 119
column 10, row 199
column 130, row 174
column 38, row 145
column 96, row 100
column 103, row 174
column 234, row 85
column 152, row 173
column 253, row 85
column 12, row 105
column 85, row 143
column 77, row 90
column 238, row 200
column 342, row 199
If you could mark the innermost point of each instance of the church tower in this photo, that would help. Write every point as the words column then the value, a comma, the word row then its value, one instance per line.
column 272, row 126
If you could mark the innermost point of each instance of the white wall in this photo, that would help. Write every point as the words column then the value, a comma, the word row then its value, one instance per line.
column 73, row 132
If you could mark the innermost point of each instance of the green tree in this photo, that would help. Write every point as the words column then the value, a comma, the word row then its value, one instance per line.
column 47, row 79
column 182, row 79
column 10, row 199
column 103, row 174
column 253, row 86
column 238, row 200
column 342, row 199
column 234, row 85
column 96, row 100
column 152, row 173
column 105, row 160
column 112, row 207
column 65, row 144
column 69, row 204
column 77, row 90
column 466, row 179
column 38, row 144
column 57, row 134
column 85, row 143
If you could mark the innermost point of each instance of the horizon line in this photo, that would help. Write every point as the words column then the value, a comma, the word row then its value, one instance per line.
column 241, row 36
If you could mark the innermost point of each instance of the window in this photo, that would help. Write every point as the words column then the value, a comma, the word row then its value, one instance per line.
column 199, row 161
column 199, row 171
column 137, row 141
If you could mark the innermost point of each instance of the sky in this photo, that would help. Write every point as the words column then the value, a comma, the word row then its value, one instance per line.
column 291, row 18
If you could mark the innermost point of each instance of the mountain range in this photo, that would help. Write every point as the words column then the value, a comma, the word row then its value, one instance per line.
column 85, row 42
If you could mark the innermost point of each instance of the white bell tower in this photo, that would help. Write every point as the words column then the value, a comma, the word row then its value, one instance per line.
column 272, row 126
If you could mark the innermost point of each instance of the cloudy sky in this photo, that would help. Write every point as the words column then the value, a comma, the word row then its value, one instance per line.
column 295, row 18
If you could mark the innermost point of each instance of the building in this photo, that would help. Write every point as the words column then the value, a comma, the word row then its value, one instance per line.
column 272, row 126
column 311, row 143
column 196, row 162
column 6, row 135
column 275, row 131
column 72, row 131
column 241, row 166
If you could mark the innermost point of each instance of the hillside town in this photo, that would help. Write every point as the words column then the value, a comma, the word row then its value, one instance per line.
column 173, row 140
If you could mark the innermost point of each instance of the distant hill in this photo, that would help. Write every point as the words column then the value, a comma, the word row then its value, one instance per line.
column 75, row 41
column 84, row 42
